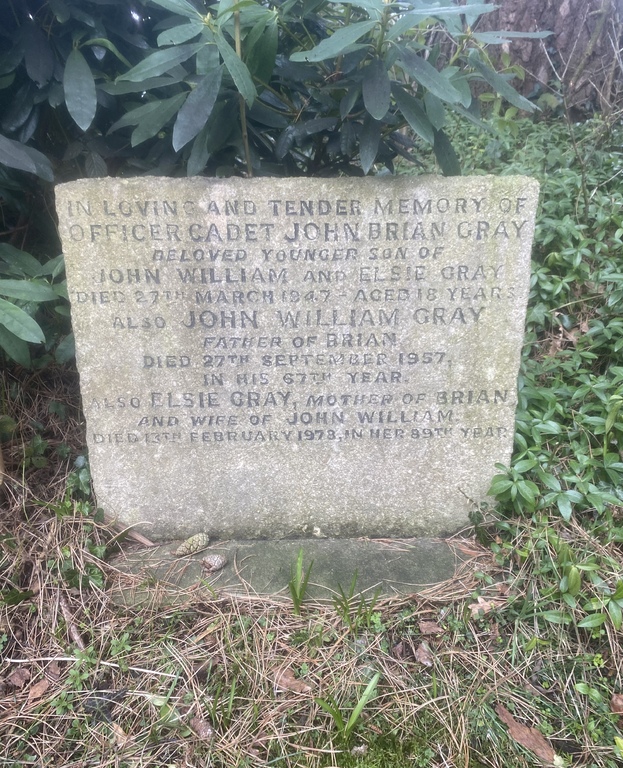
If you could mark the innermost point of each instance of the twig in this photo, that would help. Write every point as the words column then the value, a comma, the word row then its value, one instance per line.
column 72, row 629
column 243, row 106
column 39, row 659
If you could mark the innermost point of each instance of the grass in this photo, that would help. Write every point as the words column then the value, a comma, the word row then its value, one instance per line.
column 531, row 627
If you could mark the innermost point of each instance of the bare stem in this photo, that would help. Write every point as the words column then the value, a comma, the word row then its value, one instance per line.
column 243, row 106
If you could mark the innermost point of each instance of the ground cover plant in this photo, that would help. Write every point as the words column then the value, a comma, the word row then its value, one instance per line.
column 516, row 662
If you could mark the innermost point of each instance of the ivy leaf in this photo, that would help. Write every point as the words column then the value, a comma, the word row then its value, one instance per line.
column 79, row 87
column 160, row 62
column 428, row 76
column 376, row 89
column 337, row 43
column 197, row 109
column 237, row 69
column 20, row 323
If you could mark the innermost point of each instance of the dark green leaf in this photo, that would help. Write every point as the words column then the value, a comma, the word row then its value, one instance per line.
column 16, row 155
column 414, row 114
column 555, row 617
column 66, row 350
column 197, row 109
column 337, row 43
column 262, row 53
column 79, row 88
column 348, row 139
column 435, row 110
column 19, row 109
column 374, row 8
column 95, row 165
column 181, row 7
column 199, row 153
column 500, row 84
column 26, row 290
column 151, row 123
column 369, row 143
column 237, row 69
column 615, row 613
column 160, row 62
column 497, row 38
column 60, row 10
column 15, row 348
column 415, row 17
column 19, row 262
column 284, row 142
column 564, row 507
column 149, row 112
column 376, row 89
column 592, row 621
column 181, row 33
column 20, row 323
column 446, row 156
column 260, row 113
column 105, row 43
column 39, row 58
column 120, row 89
column 14, row 596
column 428, row 76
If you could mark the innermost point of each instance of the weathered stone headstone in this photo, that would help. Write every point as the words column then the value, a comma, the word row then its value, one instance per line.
column 287, row 357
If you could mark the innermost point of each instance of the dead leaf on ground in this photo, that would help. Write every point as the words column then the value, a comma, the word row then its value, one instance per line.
column 616, row 703
column 285, row 679
column 121, row 737
column 401, row 650
column 53, row 671
column 37, row 690
column 528, row 737
column 482, row 607
column 19, row 677
column 423, row 654
column 430, row 628
column 202, row 728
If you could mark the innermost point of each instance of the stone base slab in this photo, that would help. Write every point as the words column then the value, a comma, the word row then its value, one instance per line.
column 387, row 567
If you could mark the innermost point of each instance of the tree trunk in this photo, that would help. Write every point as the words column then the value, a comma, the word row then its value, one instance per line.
column 581, row 56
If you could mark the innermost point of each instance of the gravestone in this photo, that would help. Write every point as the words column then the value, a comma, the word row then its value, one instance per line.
column 297, row 357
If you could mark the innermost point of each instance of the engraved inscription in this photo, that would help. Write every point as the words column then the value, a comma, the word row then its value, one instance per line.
column 316, row 325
